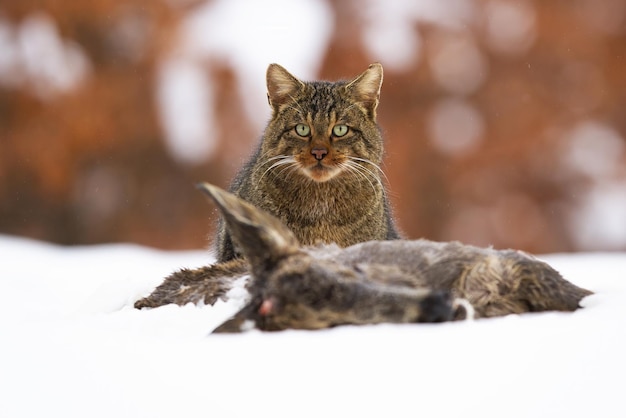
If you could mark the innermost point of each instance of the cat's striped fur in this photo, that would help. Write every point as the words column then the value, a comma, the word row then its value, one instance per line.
column 317, row 166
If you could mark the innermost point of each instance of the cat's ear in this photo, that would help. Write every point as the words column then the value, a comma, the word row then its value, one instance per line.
column 365, row 89
column 262, row 237
column 281, row 86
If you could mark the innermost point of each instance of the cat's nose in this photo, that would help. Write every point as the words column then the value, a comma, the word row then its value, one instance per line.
column 319, row 153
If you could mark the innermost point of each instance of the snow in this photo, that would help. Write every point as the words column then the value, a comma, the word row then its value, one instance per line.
column 73, row 346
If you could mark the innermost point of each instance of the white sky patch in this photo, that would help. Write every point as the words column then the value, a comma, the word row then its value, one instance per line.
column 458, row 65
column 34, row 53
column 600, row 222
column 250, row 35
column 594, row 149
column 597, row 151
column 510, row 26
column 390, row 24
column 10, row 75
column 455, row 127
column 406, row 44
column 185, row 98
column 390, row 30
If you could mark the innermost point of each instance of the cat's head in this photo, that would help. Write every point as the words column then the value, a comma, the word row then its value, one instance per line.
column 323, row 129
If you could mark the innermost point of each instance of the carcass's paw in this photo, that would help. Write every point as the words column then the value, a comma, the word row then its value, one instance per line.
column 436, row 307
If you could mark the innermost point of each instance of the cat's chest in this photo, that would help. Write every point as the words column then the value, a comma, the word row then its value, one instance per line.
column 311, row 206
column 314, row 206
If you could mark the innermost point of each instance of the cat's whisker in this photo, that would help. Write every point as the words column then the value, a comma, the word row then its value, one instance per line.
column 363, row 175
column 263, row 160
column 368, row 172
column 286, row 161
column 287, row 164
column 267, row 160
column 290, row 165
column 288, row 170
column 376, row 166
column 271, row 159
column 291, row 169
column 350, row 107
column 297, row 107
column 357, row 171
column 282, row 160
column 294, row 108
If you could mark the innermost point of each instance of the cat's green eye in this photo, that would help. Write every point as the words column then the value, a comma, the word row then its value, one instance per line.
column 302, row 129
column 340, row 130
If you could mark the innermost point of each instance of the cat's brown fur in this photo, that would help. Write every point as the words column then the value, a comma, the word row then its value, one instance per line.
column 317, row 167
column 372, row 282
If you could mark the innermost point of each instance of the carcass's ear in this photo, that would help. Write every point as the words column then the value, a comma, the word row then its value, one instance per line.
column 262, row 237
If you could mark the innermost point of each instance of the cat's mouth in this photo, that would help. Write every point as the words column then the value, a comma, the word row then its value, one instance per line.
column 320, row 172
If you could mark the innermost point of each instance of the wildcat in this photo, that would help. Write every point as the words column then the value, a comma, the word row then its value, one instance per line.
column 317, row 166
column 371, row 282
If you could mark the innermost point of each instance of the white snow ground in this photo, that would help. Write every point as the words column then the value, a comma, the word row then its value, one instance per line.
column 73, row 346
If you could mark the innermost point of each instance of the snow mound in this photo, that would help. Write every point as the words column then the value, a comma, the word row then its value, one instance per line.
column 73, row 346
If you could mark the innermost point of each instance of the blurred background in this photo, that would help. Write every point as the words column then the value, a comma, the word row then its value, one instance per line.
column 504, row 120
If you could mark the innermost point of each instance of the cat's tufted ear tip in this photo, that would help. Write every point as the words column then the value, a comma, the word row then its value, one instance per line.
column 273, row 67
column 366, row 88
column 281, row 85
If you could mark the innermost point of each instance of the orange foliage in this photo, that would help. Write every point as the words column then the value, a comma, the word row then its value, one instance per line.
column 89, row 165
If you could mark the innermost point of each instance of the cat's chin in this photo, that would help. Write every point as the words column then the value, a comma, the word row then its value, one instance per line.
column 320, row 174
